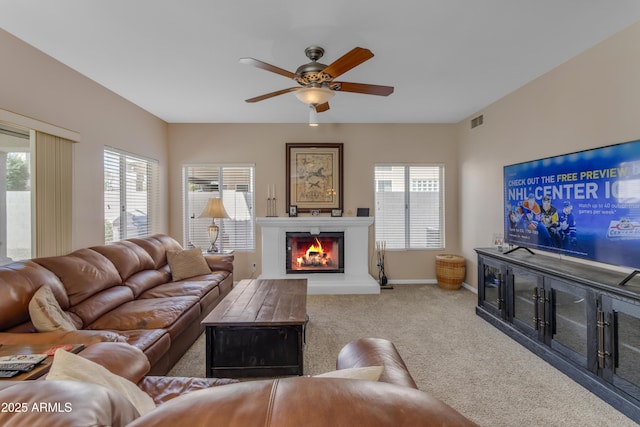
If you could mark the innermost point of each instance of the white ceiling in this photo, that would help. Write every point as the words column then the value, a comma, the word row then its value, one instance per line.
column 447, row 59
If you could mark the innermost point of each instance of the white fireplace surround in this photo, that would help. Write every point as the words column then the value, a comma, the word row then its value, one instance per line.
column 355, row 279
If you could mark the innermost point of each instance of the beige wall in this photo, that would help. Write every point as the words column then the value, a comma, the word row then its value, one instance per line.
column 364, row 145
column 590, row 101
column 35, row 85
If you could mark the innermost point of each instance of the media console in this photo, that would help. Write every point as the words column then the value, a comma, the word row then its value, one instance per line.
column 582, row 319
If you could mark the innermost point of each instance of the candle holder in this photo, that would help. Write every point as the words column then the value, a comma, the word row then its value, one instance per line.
column 271, row 200
column 271, row 207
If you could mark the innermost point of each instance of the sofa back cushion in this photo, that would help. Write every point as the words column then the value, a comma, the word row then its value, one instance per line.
column 127, row 257
column 157, row 246
column 83, row 273
column 18, row 282
column 100, row 303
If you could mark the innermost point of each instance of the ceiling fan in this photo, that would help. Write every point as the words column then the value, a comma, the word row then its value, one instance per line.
column 316, row 80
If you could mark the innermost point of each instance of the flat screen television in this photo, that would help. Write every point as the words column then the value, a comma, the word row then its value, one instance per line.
column 584, row 204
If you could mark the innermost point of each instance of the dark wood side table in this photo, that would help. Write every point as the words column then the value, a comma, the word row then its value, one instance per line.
column 41, row 368
column 258, row 330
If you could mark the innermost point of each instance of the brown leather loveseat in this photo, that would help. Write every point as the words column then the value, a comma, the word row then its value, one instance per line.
column 392, row 401
column 124, row 291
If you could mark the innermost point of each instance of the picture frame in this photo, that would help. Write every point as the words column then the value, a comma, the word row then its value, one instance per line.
column 314, row 176
column 336, row 212
column 362, row 212
column 293, row 210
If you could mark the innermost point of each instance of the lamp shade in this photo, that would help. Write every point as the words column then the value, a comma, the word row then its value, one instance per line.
column 214, row 209
column 314, row 95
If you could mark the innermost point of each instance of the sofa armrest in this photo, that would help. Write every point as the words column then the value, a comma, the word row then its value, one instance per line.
column 220, row 262
column 163, row 389
column 376, row 352
column 121, row 359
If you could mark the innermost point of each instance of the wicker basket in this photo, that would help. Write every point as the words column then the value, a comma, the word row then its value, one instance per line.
column 450, row 270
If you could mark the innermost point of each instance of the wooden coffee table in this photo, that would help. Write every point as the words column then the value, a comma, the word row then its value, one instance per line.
column 40, row 369
column 258, row 330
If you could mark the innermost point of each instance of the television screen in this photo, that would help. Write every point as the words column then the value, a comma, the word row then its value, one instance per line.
column 584, row 204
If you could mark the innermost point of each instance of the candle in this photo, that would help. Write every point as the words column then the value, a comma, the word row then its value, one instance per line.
column 268, row 191
column 274, row 191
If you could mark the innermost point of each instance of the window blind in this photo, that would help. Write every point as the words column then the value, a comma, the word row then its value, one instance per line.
column 409, row 206
column 130, row 195
column 234, row 184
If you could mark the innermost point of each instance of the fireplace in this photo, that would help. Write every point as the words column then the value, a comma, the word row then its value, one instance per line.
column 314, row 253
column 354, row 280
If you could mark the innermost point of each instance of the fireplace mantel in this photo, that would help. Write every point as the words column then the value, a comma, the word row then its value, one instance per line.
column 355, row 279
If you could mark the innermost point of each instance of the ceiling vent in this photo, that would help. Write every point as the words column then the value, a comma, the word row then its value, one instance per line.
column 475, row 122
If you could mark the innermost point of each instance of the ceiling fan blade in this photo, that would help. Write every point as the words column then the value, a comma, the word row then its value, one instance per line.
column 272, row 94
column 351, row 59
column 321, row 108
column 268, row 67
column 362, row 88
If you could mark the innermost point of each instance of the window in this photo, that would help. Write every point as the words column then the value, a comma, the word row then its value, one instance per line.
column 234, row 184
column 16, row 188
column 130, row 195
column 409, row 206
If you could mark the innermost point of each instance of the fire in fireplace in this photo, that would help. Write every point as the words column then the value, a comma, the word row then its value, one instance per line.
column 309, row 253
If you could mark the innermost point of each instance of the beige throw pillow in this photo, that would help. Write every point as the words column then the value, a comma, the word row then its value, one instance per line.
column 187, row 263
column 371, row 373
column 46, row 314
column 71, row 367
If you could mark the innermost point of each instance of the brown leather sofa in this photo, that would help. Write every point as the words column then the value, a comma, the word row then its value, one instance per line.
column 296, row 401
column 117, row 292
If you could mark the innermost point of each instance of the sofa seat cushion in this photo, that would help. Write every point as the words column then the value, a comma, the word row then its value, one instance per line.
column 173, row 314
column 154, row 343
column 194, row 288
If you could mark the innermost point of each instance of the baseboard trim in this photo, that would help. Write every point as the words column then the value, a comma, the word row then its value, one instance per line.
column 428, row 282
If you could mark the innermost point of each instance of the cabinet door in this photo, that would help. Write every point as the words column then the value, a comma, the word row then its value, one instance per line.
column 571, row 311
column 491, row 289
column 524, row 293
column 620, row 334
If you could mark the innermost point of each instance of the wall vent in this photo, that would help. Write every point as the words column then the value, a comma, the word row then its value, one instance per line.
column 475, row 122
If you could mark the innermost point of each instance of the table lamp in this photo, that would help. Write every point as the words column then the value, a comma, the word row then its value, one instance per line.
column 214, row 209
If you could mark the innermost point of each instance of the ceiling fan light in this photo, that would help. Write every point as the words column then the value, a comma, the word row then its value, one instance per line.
column 313, row 116
column 314, row 95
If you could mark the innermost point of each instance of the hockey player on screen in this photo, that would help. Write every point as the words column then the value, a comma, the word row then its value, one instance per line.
column 567, row 226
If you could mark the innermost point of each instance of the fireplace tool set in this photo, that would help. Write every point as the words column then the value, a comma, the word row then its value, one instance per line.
column 381, row 248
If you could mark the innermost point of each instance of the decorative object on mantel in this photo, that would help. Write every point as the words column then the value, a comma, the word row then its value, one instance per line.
column 293, row 210
column 315, row 212
column 381, row 248
column 271, row 200
column 336, row 212
column 214, row 209
column 362, row 212
column 314, row 176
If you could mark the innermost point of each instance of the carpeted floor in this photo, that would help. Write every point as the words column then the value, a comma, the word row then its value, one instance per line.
column 451, row 353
